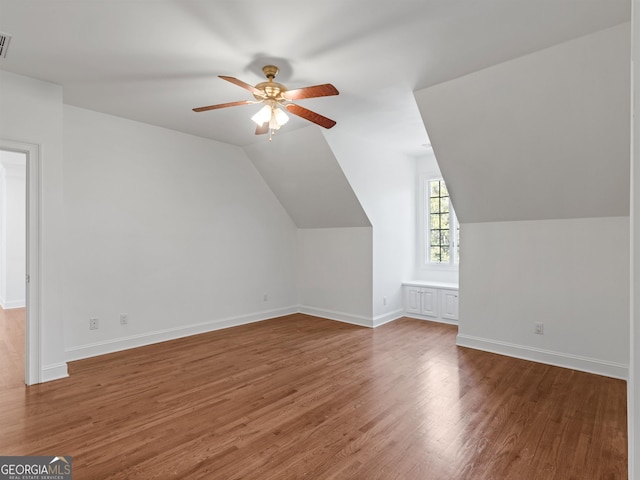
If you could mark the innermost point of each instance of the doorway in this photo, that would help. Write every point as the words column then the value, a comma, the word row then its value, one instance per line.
column 30, row 272
column 13, row 260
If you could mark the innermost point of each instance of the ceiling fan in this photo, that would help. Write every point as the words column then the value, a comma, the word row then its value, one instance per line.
column 275, row 95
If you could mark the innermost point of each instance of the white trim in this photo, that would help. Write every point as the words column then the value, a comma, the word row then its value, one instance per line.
column 339, row 316
column 566, row 360
column 9, row 304
column 54, row 372
column 416, row 316
column 140, row 340
column 430, row 284
column 387, row 317
column 34, row 372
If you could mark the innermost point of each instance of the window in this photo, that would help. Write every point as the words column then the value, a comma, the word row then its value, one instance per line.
column 442, row 230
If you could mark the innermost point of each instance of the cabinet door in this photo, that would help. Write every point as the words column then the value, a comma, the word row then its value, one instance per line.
column 449, row 303
column 412, row 299
column 429, row 302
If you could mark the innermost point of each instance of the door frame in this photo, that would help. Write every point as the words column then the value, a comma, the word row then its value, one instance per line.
column 33, row 340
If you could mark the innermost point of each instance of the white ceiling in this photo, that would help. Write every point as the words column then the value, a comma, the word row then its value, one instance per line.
column 153, row 61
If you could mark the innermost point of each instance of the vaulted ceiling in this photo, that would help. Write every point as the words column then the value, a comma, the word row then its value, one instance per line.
column 304, row 174
column 154, row 61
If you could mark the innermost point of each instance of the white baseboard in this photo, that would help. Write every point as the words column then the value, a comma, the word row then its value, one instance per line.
column 54, row 372
column 387, row 317
column 9, row 304
column 360, row 320
column 133, row 341
column 566, row 360
column 140, row 340
column 430, row 319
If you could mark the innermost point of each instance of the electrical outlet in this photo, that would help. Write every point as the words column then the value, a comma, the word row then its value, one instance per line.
column 93, row 324
column 384, row 300
column 124, row 318
column 265, row 297
column 539, row 328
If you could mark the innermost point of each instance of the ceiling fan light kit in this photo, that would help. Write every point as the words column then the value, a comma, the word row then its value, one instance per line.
column 270, row 114
column 275, row 95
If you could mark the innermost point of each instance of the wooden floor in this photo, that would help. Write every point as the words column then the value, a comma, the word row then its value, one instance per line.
column 305, row 398
column 11, row 348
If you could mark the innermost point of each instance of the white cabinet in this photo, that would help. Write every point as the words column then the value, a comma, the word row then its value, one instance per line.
column 449, row 304
column 412, row 300
column 421, row 300
column 431, row 302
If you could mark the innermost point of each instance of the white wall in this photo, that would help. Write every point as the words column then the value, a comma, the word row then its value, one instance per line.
column 633, row 392
column 384, row 182
column 32, row 113
column 572, row 275
column 334, row 256
column 334, row 185
column 521, row 144
column 179, row 232
column 335, row 273
column 12, row 229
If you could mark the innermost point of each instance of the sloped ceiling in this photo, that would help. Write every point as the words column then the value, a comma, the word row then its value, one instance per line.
column 543, row 136
column 153, row 61
column 302, row 171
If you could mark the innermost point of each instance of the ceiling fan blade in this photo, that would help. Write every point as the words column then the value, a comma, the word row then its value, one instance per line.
column 223, row 105
column 309, row 115
column 262, row 129
column 325, row 90
column 242, row 84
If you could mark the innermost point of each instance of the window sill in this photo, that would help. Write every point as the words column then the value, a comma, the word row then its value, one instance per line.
column 430, row 284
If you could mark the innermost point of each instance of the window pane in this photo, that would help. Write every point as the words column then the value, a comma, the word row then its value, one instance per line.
column 435, row 254
column 435, row 205
column 444, row 237
column 444, row 204
column 444, row 257
column 435, row 237
column 444, row 221
column 443, row 190
column 434, row 188
column 435, row 221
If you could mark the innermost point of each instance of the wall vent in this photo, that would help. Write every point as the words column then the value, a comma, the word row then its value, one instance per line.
column 5, row 39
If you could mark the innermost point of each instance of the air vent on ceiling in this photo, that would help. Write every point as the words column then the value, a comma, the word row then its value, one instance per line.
column 5, row 39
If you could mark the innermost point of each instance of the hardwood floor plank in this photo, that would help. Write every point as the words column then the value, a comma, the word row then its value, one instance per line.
column 302, row 397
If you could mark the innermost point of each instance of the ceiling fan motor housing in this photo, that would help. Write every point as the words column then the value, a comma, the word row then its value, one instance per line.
column 270, row 71
column 272, row 90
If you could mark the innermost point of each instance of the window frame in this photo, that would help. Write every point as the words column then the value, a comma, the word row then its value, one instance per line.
column 425, row 229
